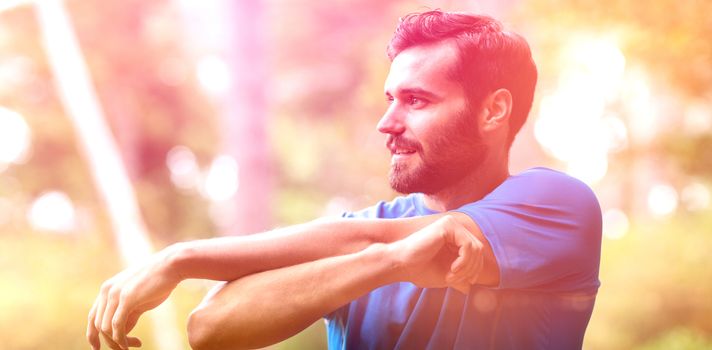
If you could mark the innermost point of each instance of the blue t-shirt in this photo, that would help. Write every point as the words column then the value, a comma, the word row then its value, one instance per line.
column 545, row 230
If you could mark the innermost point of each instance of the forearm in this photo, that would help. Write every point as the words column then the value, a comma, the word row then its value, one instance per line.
column 264, row 308
column 135, row 290
column 229, row 258
column 267, row 307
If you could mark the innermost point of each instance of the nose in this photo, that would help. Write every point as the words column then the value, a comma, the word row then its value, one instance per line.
column 392, row 121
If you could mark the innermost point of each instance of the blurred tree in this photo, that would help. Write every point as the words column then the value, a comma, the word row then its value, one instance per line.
column 151, row 98
column 654, row 280
column 669, row 39
column 228, row 40
column 679, row 339
column 329, row 67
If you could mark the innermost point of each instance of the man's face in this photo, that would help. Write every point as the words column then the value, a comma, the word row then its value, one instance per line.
column 432, row 129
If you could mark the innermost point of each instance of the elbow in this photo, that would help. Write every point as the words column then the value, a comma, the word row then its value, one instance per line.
column 200, row 334
column 206, row 331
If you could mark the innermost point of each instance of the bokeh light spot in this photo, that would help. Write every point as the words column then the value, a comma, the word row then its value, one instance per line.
column 615, row 133
column 214, row 75
column 221, row 181
column 484, row 300
column 589, row 169
column 615, row 224
column 14, row 137
column 183, row 167
column 52, row 211
column 662, row 200
column 572, row 125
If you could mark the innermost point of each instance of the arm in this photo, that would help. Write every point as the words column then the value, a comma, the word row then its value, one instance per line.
column 126, row 296
column 264, row 308
column 230, row 258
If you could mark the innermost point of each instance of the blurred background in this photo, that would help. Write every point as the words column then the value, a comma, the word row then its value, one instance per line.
column 128, row 125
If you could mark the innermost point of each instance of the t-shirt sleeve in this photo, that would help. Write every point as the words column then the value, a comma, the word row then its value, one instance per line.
column 544, row 228
column 336, row 319
column 399, row 207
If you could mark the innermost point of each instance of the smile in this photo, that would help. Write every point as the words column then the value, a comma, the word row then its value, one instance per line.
column 399, row 156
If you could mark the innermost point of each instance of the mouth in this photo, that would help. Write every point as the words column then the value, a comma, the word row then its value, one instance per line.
column 402, row 152
column 401, row 146
column 401, row 156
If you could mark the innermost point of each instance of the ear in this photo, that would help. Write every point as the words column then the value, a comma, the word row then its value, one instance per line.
column 496, row 107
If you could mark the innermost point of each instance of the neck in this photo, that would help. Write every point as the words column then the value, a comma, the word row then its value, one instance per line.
column 473, row 187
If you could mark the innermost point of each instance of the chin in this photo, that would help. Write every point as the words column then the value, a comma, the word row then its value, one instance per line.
column 400, row 182
column 419, row 181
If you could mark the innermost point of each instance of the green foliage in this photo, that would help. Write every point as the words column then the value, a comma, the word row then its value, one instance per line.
column 655, row 279
column 679, row 339
column 692, row 154
column 669, row 37
column 49, row 283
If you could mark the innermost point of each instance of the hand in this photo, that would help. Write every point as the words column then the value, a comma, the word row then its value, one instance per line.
column 123, row 298
column 442, row 254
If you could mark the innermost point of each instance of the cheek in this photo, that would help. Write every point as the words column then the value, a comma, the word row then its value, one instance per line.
column 420, row 127
column 441, row 125
column 428, row 135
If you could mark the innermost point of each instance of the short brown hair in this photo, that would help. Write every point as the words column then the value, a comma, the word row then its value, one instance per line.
column 490, row 57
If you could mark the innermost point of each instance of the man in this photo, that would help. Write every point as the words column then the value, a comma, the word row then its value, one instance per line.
column 472, row 258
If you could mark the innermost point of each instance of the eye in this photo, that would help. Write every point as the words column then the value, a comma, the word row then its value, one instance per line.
column 389, row 99
column 416, row 102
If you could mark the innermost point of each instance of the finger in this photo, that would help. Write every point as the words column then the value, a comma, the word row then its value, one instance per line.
column 473, row 255
column 461, row 278
column 464, row 257
column 460, row 266
column 132, row 320
column 100, row 303
column 92, row 332
column 463, row 288
column 470, row 270
column 456, row 235
column 111, row 303
column 479, row 266
column 118, row 324
column 134, row 342
column 130, row 323
column 477, row 262
column 459, row 240
column 110, row 342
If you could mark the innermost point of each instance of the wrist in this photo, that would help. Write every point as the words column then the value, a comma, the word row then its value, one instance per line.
column 174, row 260
column 392, row 257
column 389, row 269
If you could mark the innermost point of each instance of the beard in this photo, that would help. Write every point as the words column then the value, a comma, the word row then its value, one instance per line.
column 457, row 152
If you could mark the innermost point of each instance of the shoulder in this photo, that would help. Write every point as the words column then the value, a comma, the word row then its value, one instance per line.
column 539, row 197
column 544, row 228
column 402, row 206
column 544, row 180
column 544, row 186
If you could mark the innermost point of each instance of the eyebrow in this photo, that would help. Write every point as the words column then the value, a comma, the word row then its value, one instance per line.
column 415, row 91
